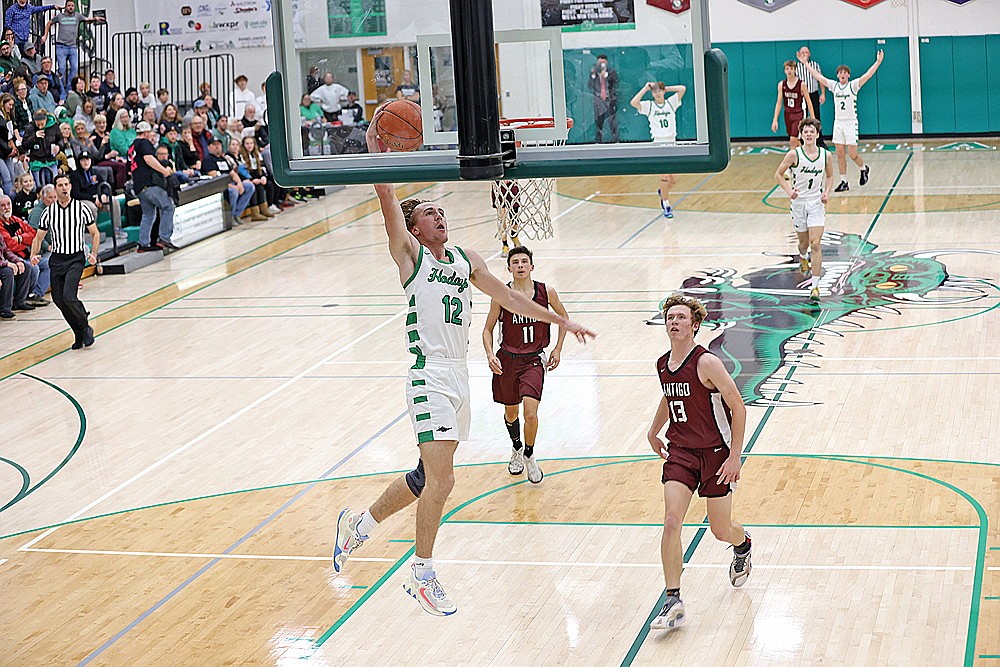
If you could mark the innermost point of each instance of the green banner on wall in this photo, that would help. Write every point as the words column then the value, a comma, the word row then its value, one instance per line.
column 586, row 15
column 356, row 18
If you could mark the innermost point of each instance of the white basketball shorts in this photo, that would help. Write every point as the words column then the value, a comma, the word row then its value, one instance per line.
column 437, row 398
column 808, row 213
column 845, row 132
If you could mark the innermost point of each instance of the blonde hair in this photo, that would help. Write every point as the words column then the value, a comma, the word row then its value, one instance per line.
column 407, row 206
column 698, row 310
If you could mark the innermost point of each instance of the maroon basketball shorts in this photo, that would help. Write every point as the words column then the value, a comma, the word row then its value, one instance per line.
column 792, row 125
column 523, row 375
column 697, row 469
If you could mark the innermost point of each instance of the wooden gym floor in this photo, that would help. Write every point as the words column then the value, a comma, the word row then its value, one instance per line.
column 170, row 495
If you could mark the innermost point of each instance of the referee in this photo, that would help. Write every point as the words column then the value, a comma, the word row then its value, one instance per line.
column 816, row 92
column 66, row 221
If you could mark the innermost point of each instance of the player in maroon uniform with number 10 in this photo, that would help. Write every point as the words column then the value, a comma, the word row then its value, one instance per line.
column 519, row 365
column 706, row 415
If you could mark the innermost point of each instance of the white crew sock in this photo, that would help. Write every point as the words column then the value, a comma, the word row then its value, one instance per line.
column 814, row 281
column 422, row 567
column 367, row 523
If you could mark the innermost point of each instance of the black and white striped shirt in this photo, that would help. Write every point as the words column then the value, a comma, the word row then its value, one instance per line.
column 800, row 70
column 66, row 226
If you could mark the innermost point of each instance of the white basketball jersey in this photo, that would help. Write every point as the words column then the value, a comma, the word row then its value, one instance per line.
column 845, row 99
column 662, row 117
column 808, row 175
column 440, row 306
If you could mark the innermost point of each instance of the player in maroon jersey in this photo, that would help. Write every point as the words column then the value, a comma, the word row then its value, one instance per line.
column 793, row 97
column 519, row 365
column 706, row 416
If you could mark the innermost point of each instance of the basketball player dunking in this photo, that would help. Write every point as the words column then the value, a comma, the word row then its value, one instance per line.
column 812, row 179
column 793, row 98
column 845, row 114
column 707, row 417
column 435, row 279
column 519, row 366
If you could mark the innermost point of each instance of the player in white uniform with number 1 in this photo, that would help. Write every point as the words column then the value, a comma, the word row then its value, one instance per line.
column 845, row 120
column 661, row 112
column 811, row 168
column 436, row 279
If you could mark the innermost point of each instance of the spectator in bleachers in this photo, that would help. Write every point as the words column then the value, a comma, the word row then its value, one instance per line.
column 67, row 23
column 90, row 188
column 114, row 164
column 189, row 151
column 205, row 90
column 251, row 159
column 86, row 114
column 8, row 145
column 66, row 157
column 8, row 36
column 313, row 80
column 76, row 95
column 153, row 198
column 55, row 85
column 146, row 97
column 200, row 136
column 240, row 190
column 17, row 234
column 122, row 132
column 30, row 59
column 8, row 60
column 40, row 144
column 24, row 194
column 95, row 95
column 149, row 115
column 249, row 119
column 171, row 183
column 22, row 105
column 176, row 153
column 330, row 97
column 108, row 85
column 133, row 105
column 261, row 102
column 14, row 276
column 221, row 129
column 352, row 113
column 18, row 18
column 46, row 197
column 169, row 116
column 102, row 138
column 115, row 103
column 211, row 115
column 235, row 132
column 162, row 100
column 241, row 95
column 40, row 98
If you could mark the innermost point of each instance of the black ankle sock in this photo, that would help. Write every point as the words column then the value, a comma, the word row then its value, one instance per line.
column 743, row 548
column 529, row 451
column 514, row 430
column 674, row 591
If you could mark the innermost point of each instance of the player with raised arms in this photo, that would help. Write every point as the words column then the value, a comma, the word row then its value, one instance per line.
column 661, row 112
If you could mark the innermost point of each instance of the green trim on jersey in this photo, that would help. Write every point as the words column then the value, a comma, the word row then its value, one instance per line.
column 423, row 416
column 421, row 359
column 416, row 267
column 466, row 257
column 413, row 336
column 425, row 436
column 419, row 399
column 411, row 318
column 418, row 383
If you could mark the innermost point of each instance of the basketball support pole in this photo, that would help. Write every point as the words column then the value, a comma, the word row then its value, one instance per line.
column 479, row 155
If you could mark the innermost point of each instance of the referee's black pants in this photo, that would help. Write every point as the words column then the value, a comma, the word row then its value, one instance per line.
column 66, row 271
column 815, row 100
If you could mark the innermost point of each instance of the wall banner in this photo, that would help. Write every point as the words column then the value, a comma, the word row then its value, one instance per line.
column 205, row 25
column 580, row 15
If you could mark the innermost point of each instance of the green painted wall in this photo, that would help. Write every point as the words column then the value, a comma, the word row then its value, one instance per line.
column 960, row 81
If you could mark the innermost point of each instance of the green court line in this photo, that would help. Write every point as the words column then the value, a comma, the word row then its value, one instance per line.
column 403, row 541
column 987, row 656
column 994, row 548
column 992, row 597
column 322, row 639
column 81, row 434
column 25, row 480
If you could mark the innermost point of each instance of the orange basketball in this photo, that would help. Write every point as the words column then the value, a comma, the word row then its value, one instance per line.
column 400, row 126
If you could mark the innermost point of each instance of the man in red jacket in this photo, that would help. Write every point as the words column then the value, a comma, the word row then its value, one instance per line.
column 16, row 236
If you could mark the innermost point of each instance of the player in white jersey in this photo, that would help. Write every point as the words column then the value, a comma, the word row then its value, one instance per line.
column 436, row 279
column 845, row 120
column 661, row 112
column 812, row 177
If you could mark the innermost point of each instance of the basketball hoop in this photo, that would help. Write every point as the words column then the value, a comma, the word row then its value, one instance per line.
column 523, row 206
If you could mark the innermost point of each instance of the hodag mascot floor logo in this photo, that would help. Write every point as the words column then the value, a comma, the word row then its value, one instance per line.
column 768, row 323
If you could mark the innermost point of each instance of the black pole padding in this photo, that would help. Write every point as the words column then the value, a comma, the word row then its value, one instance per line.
column 474, row 57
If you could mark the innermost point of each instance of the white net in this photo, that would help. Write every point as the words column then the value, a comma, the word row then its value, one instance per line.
column 524, row 206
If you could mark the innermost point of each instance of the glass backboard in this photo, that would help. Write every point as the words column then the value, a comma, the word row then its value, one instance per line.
column 582, row 61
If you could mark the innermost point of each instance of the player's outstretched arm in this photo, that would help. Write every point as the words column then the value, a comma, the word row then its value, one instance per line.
column 777, row 109
column 637, row 98
column 787, row 162
column 516, row 302
column 656, row 428
column 679, row 88
column 402, row 245
column 711, row 368
column 871, row 70
column 491, row 322
column 813, row 70
column 555, row 354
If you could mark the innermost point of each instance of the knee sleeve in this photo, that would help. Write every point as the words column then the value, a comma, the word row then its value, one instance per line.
column 415, row 479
